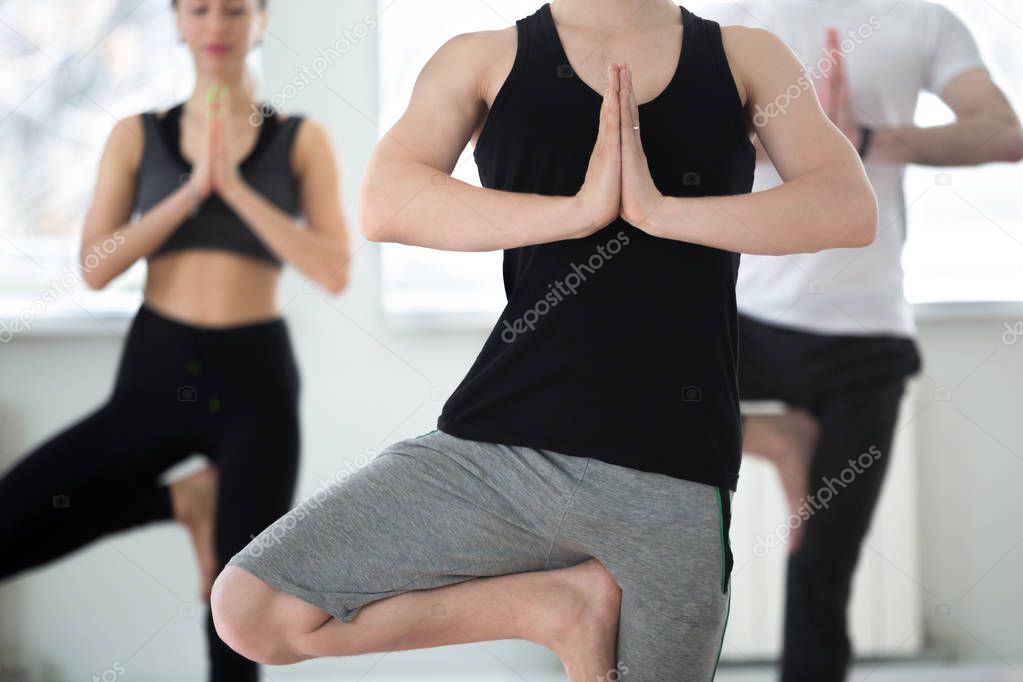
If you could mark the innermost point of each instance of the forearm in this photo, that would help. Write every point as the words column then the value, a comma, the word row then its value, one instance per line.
column 410, row 203
column 816, row 211
column 104, row 258
column 318, row 256
column 972, row 141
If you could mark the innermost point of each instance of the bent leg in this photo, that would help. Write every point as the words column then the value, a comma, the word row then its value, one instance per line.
column 382, row 552
column 787, row 441
column 572, row 611
column 819, row 578
column 97, row 477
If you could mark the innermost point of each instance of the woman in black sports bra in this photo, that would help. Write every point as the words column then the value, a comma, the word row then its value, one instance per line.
column 209, row 193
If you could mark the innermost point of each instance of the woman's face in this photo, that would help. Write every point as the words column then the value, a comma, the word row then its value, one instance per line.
column 220, row 33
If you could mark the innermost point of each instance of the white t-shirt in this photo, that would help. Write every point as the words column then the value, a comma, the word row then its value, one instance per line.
column 891, row 51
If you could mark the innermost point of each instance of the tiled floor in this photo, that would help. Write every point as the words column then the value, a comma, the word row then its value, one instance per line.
column 896, row 673
column 860, row 673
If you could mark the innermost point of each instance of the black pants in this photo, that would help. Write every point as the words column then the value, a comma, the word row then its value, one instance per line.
column 853, row 386
column 229, row 393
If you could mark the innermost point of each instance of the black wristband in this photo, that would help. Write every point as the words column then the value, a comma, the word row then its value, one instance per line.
column 866, row 135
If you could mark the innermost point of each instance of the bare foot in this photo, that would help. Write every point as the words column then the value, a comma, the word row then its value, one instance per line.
column 585, row 603
column 788, row 441
column 194, row 499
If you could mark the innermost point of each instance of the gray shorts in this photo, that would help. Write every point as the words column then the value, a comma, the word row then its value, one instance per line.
column 438, row 510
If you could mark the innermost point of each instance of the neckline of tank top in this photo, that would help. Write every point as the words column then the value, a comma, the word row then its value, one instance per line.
column 170, row 125
column 555, row 37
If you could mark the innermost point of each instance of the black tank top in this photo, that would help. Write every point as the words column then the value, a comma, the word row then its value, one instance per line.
column 215, row 225
column 619, row 346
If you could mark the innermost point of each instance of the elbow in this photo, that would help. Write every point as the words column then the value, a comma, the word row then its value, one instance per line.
column 336, row 282
column 1005, row 146
column 1014, row 150
column 858, row 219
column 855, row 223
column 374, row 223
column 94, row 279
column 862, row 229
column 335, row 279
column 371, row 228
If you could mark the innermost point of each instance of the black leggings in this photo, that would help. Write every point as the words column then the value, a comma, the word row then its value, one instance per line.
column 853, row 386
column 230, row 393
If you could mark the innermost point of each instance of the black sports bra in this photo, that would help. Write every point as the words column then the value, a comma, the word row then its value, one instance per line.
column 215, row 225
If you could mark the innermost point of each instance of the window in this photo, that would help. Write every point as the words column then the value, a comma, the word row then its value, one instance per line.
column 954, row 252
column 448, row 288
column 965, row 231
column 72, row 70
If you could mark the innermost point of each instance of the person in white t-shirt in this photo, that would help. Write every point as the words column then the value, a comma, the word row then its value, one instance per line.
column 830, row 334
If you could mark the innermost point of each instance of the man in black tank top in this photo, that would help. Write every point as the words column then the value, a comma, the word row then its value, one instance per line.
column 622, row 213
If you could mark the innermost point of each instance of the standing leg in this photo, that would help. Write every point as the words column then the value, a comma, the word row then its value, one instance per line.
column 665, row 542
column 853, row 422
column 674, row 610
column 257, row 463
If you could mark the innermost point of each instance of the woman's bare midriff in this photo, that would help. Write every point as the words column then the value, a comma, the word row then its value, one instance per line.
column 212, row 288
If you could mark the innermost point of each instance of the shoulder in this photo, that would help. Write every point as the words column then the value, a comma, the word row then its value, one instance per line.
column 126, row 140
column 921, row 8
column 480, row 44
column 937, row 17
column 312, row 142
column 308, row 131
column 749, row 52
column 747, row 39
column 471, row 60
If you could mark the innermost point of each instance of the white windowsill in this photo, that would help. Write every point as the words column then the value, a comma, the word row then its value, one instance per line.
column 1008, row 311
column 115, row 323
column 112, row 323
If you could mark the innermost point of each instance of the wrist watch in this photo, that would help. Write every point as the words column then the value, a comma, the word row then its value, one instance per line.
column 866, row 135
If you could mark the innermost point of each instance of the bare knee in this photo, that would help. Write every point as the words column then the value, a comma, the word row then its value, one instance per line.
column 243, row 608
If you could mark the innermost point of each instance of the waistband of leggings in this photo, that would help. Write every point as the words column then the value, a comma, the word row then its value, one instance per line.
column 274, row 325
column 751, row 323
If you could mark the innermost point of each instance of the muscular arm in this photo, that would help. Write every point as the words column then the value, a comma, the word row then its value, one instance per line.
column 109, row 247
column 825, row 201
column 986, row 129
column 408, row 194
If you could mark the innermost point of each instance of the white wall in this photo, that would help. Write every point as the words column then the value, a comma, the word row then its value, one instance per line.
column 971, row 477
column 130, row 599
